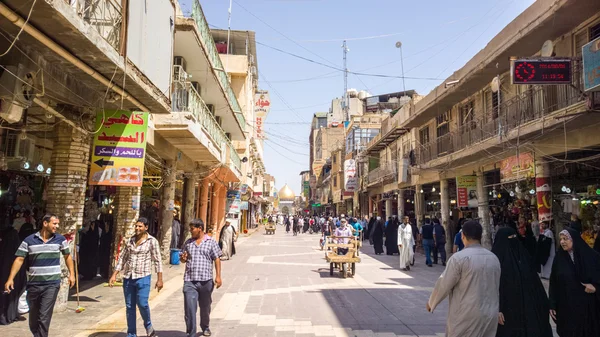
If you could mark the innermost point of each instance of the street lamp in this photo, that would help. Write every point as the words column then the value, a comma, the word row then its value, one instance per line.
column 399, row 46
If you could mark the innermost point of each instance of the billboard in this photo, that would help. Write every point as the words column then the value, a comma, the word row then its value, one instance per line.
column 466, row 190
column 119, row 148
column 591, row 65
column 517, row 167
column 262, row 106
column 350, row 178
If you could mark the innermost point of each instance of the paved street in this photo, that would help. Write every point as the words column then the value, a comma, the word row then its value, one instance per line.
column 279, row 285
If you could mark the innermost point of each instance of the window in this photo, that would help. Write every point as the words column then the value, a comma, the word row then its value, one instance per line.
column 467, row 117
column 491, row 104
column 595, row 32
column 443, row 124
column 334, row 158
column 335, row 181
column 424, row 135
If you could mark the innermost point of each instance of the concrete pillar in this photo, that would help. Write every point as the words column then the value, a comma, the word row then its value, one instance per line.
column 203, row 200
column 388, row 208
column 65, row 191
column 401, row 201
column 221, row 216
column 189, row 211
column 419, row 203
column 125, row 216
column 370, row 200
column 483, row 211
column 167, row 202
column 445, row 202
column 214, row 205
column 543, row 188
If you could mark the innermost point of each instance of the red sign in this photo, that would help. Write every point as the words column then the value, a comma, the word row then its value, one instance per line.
column 517, row 167
column 466, row 187
column 542, row 71
column 544, row 198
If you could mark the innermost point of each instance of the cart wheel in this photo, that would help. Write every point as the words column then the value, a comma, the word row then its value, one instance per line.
column 331, row 269
column 353, row 269
column 344, row 274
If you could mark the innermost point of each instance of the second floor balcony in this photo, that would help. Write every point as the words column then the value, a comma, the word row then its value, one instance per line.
column 384, row 174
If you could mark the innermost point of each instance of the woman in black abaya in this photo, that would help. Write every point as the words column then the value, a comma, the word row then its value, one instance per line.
column 88, row 251
column 524, row 306
column 370, row 226
column 391, row 237
column 9, row 303
column 377, row 236
column 575, row 287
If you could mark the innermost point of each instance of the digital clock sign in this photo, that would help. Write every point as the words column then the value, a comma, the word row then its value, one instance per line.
column 541, row 71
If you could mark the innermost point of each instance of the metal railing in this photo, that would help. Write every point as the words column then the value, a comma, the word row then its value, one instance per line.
column 235, row 158
column 385, row 172
column 213, row 55
column 533, row 104
column 104, row 15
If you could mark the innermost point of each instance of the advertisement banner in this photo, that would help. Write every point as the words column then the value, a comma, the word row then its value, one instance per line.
column 591, row 65
column 233, row 201
column 466, row 190
column 262, row 106
column 306, row 189
column 544, row 198
column 350, row 178
column 244, row 206
column 244, row 189
column 119, row 148
column 517, row 168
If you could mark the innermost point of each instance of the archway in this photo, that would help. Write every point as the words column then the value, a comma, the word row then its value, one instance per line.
column 285, row 210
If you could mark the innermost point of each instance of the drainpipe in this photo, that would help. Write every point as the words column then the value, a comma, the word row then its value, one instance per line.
column 45, row 40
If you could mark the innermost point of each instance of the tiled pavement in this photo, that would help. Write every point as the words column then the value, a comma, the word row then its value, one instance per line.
column 279, row 285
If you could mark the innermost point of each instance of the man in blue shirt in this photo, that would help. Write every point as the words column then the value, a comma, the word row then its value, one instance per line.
column 42, row 250
column 439, row 244
column 427, row 237
column 458, row 243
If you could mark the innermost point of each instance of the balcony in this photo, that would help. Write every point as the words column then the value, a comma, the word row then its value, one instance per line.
column 191, row 127
column 213, row 56
column 234, row 162
column 105, row 16
column 522, row 116
column 385, row 174
column 390, row 131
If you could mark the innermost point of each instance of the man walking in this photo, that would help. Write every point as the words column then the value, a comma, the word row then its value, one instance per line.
column 439, row 242
column 406, row 243
column 471, row 282
column 141, row 252
column 199, row 253
column 42, row 250
column 427, row 236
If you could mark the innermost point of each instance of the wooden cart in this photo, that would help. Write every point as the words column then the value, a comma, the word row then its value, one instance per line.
column 270, row 228
column 345, row 263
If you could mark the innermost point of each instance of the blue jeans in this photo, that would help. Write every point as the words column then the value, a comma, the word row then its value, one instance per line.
column 137, row 292
column 428, row 246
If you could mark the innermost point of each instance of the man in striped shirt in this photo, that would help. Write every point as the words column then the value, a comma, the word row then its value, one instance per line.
column 42, row 250
column 135, row 264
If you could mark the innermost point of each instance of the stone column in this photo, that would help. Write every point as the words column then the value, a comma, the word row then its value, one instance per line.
column 203, row 200
column 124, row 218
column 419, row 203
column 388, row 208
column 543, row 188
column 483, row 211
column 65, row 192
column 214, row 205
column 189, row 211
column 221, row 213
column 167, row 201
column 401, row 201
column 445, row 202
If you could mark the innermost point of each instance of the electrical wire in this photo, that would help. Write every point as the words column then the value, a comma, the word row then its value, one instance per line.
column 297, row 153
column 284, row 156
column 21, row 30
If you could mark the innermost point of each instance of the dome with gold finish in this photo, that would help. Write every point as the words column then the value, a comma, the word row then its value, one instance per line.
column 286, row 194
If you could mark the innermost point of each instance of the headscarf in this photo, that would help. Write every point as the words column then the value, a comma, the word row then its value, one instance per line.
column 586, row 259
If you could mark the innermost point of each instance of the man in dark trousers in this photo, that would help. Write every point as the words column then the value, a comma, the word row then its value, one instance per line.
column 427, row 236
column 199, row 254
column 439, row 242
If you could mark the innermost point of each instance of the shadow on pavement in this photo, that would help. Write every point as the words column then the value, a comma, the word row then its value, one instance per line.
column 161, row 333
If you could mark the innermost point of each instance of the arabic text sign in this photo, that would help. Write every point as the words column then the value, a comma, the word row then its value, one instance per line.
column 466, row 187
column 119, row 149
column 591, row 65
column 517, row 167
column 262, row 105
column 350, row 179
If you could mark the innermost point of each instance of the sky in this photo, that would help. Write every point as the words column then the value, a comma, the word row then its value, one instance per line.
column 438, row 38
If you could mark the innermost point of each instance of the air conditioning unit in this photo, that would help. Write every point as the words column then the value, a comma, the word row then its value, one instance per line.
column 16, row 92
column 196, row 87
column 218, row 119
column 228, row 135
column 211, row 108
column 20, row 148
column 180, row 61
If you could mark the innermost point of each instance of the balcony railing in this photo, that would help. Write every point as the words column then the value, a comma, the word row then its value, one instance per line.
column 533, row 104
column 235, row 158
column 213, row 55
column 387, row 172
column 104, row 15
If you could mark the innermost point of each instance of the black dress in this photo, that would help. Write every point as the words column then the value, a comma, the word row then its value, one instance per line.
column 523, row 300
column 391, row 237
column 9, row 303
column 577, row 312
column 377, row 236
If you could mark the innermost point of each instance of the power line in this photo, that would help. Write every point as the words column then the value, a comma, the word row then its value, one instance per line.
column 284, row 156
column 264, row 78
column 298, row 153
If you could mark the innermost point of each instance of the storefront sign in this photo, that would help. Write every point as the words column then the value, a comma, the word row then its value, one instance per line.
column 517, row 168
column 466, row 190
column 244, row 189
column 313, row 181
column 544, row 198
column 591, row 65
column 233, row 202
column 119, row 148
column 306, row 189
column 244, row 206
column 350, row 178
column 262, row 106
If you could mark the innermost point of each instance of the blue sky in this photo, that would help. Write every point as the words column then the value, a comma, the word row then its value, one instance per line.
column 438, row 37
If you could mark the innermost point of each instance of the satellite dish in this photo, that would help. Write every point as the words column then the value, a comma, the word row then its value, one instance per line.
column 495, row 84
column 547, row 48
column 398, row 44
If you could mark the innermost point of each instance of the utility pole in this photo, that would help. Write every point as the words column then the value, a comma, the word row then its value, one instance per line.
column 346, row 103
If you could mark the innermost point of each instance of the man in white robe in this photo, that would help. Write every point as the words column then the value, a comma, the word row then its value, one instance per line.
column 226, row 241
column 471, row 282
column 406, row 242
column 547, row 268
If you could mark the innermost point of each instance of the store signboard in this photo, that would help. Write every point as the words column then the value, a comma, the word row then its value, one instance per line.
column 262, row 106
column 591, row 65
column 233, row 201
column 350, row 178
column 306, row 189
column 119, row 148
column 466, row 190
column 244, row 206
column 517, row 168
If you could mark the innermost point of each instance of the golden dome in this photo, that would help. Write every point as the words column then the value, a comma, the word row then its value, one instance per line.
column 286, row 193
